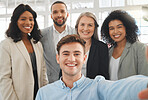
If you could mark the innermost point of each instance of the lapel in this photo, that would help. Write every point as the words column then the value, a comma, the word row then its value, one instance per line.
column 92, row 50
column 20, row 45
column 51, row 40
column 125, row 52
column 38, row 58
column 91, row 58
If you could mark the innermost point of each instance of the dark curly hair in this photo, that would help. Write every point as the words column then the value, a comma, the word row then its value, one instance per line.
column 128, row 22
column 14, row 32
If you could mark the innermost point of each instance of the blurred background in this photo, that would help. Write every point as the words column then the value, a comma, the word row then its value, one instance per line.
column 101, row 8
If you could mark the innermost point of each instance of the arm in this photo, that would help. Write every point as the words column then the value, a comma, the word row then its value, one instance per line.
column 124, row 89
column 105, row 61
column 144, row 93
column 45, row 79
column 38, row 97
column 6, row 82
column 141, row 60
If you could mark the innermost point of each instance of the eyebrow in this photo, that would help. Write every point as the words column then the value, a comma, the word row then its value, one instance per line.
column 87, row 23
column 117, row 25
column 25, row 17
column 65, row 52
column 74, row 52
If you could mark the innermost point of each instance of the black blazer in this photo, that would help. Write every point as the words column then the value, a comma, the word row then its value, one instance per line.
column 98, row 60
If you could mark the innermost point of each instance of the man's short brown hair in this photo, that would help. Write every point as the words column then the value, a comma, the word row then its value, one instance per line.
column 70, row 39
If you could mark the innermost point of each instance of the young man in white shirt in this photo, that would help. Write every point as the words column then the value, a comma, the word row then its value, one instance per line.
column 75, row 86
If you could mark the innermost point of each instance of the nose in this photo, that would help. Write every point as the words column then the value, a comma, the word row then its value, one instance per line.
column 59, row 14
column 85, row 27
column 27, row 21
column 71, row 58
column 116, row 30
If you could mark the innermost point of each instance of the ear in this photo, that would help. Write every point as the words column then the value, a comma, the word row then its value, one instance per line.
column 57, row 58
column 51, row 16
column 67, row 14
column 85, row 56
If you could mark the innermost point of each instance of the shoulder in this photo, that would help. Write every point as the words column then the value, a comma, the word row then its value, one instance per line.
column 38, row 44
column 138, row 46
column 69, row 27
column 99, row 78
column 45, row 30
column 99, row 43
column 6, row 45
column 49, row 87
column 71, row 30
column 6, row 42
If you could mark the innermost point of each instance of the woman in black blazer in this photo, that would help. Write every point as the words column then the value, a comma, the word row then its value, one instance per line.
column 98, row 59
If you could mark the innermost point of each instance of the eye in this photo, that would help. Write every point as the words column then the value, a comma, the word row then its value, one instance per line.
column 22, row 19
column 62, row 11
column 111, row 28
column 66, row 54
column 82, row 24
column 31, row 19
column 90, row 25
column 54, row 12
column 76, row 54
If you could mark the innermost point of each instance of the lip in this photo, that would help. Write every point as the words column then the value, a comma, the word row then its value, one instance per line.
column 27, row 27
column 117, row 36
column 71, row 64
column 85, row 33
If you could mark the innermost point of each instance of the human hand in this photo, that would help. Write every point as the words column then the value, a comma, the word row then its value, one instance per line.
column 143, row 94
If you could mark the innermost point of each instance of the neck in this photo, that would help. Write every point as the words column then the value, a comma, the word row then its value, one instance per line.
column 24, row 36
column 121, row 44
column 69, row 80
column 60, row 29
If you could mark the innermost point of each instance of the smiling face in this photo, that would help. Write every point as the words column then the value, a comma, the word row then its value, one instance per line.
column 59, row 14
column 71, row 58
column 26, row 22
column 117, row 31
column 86, row 27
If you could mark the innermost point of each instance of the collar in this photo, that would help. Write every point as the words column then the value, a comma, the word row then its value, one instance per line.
column 57, row 31
column 78, row 83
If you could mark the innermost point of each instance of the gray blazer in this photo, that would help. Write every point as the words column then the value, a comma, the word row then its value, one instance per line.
column 47, row 41
column 133, row 60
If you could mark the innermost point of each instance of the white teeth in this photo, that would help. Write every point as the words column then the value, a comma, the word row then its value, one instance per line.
column 70, row 64
column 60, row 19
column 27, row 27
column 85, row 32
column 116, row 36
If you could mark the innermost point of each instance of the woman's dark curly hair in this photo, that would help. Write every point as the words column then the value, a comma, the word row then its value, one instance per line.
column 14, row 32
column 128, row 22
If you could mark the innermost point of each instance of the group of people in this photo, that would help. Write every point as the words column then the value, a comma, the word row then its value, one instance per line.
column 70, row 59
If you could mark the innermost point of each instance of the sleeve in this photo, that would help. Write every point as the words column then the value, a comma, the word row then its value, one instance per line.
column 142, row 62
column 38, row 96
column 45, row 79
column 124, row 89
column 6, row 82
column 105, row 60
